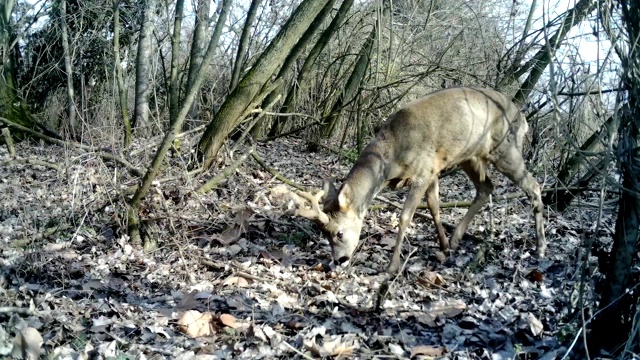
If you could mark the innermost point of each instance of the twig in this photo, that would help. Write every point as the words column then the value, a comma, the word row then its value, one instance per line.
column 297, row 351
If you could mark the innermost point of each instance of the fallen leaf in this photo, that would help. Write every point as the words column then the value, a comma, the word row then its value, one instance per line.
column 427, row 350
column 27, row 344
column 448, row 308
column 228, row 320
column 238, row 281
column 431, row 278
column 535, row 325
column 195, row 324
column 535, row 276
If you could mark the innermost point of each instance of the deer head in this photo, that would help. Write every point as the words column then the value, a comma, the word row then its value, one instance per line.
column 337, row 217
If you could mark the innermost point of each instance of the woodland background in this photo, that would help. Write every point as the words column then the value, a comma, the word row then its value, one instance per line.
column 143, row 143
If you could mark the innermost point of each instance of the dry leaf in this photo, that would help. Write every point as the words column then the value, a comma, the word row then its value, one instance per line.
column 431, row 278
column 427, row 350
column 334, row 347
column 448, row 308
column 535, row 325
column 229, row 320
column 196, row 324
column 238, row 281
column 535, row 276
column 27, row 344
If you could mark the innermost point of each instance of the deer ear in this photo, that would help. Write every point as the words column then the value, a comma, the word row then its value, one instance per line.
column 344, row 197
column 329, row 189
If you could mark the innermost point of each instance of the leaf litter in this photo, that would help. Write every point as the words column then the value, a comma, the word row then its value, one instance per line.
column 233, row 276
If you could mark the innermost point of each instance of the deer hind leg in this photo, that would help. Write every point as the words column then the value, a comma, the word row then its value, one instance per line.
column 410, row 204
column 510, row 162
column 433, row 203
column 476, row 170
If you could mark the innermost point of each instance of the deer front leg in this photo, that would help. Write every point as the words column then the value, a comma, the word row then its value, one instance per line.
column 409, row 208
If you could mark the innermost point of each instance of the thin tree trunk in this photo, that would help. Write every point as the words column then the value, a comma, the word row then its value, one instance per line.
column 71, row 104
column 199, row 44
column 244, row 43
column 122, row 90
column 287, row 66
column 143, row 66
column 355, row 79
column 230, row 114
column 333, row 27
column 174, row 128
column 543, row 57
column 617, row 304
column 174, row 85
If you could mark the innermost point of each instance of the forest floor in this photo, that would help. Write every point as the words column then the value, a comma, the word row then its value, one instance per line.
column 257, row 283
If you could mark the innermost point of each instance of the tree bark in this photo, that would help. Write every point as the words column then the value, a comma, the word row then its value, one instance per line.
column 232, row 110
column 71, row 104
column 199, row 45
column 174, row 84
column 333, row 27
column 355, row 79
column 243, row 44
column 143, row 66
column 288, row 64
column 122, row 90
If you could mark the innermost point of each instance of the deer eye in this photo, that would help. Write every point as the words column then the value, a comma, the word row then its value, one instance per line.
column 339, row 234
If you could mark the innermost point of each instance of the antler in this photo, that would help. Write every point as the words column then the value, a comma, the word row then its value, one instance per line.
column 315, row 213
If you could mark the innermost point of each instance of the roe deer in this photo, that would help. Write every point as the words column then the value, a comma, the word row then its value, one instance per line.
column 470, row 127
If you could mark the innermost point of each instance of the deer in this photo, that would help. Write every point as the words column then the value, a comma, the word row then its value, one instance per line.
column 464, row 126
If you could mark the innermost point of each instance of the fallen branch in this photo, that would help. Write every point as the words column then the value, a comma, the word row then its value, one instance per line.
column 103, row 154
column 31, row 161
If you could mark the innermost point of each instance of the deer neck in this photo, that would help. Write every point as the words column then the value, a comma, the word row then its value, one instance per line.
column 366, row 178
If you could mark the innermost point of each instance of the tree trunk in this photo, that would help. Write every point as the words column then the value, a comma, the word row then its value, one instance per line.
column 154, row 168
column 143, row 66
column 287, row 66
column 333, row 27
column 243, row 44
column 355, row 79
column 199, row 44
column 232, row 110
column 11, row 106
column 618, row 306
column 174, row 85
column 71, row 126
column 122, row 90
